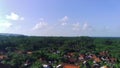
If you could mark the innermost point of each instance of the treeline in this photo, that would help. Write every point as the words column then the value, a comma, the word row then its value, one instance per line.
column 27, row 43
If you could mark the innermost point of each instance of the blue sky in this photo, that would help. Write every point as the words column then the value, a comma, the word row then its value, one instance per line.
column 60, row 17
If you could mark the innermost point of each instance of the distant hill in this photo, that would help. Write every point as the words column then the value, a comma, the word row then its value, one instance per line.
column 9, row 34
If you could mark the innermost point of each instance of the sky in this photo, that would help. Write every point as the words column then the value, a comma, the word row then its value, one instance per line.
column 99, row 18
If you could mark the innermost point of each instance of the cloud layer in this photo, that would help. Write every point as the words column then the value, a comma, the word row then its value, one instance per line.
column 61, row 28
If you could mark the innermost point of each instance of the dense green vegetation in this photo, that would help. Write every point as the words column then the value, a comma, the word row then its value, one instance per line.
column 18, row 50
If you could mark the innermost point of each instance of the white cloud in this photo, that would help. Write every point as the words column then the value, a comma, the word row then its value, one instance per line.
column 42, row 29
column 14, row 16
column 40, row 25
column 5, row 25
column 76, row 26
column 86, row 27
column 64, row 20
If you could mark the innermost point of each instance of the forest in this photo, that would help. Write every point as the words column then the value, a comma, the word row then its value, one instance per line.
column 57, row 52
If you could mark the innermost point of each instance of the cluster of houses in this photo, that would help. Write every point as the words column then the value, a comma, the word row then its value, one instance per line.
column 100, row 60
column 85, row 60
